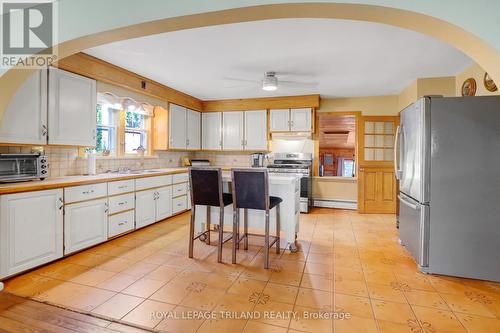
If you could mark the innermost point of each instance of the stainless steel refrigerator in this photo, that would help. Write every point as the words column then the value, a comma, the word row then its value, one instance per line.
column 448, row 166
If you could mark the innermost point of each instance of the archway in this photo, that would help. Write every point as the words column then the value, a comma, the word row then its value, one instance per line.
column 482, row 53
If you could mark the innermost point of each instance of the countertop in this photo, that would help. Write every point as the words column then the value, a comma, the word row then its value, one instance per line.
column 66, row 181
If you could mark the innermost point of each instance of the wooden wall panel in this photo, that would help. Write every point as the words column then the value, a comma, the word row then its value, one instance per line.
column 160, row 129
column 100, row 70
column 282, row 102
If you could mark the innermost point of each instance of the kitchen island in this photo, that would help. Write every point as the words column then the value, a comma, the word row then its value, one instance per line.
column 285, row 187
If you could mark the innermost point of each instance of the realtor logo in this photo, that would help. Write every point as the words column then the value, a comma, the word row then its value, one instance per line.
column 28, row 33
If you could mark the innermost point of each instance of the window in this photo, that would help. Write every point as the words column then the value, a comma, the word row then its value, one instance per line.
column 348, row 168
column 123, row 125
column 135, row 132
column 106, row 129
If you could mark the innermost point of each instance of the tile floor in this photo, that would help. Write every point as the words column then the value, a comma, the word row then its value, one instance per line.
column 350, row 275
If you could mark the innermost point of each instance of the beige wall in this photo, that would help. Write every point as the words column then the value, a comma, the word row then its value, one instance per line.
column 369, row 106
column 333, row 188
column 426, row 86
column 475, row 71
column 407, row 96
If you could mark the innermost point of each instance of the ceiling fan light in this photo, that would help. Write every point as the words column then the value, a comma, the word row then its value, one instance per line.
column 270, row 83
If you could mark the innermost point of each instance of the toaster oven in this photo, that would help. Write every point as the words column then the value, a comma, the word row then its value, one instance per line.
column 22, row 167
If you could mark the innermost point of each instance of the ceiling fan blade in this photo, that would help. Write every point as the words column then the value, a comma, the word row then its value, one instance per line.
column 298, row 84
column 239, row 79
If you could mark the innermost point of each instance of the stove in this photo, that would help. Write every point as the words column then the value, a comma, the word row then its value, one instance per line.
column 299, row 164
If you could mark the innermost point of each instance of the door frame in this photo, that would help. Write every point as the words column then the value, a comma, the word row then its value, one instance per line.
column 357, row 115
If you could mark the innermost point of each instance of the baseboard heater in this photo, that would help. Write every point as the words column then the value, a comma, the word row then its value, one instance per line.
column 340, row 204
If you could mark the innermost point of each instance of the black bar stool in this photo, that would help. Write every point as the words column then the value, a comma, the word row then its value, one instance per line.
column 251, row 191
column 206, row 190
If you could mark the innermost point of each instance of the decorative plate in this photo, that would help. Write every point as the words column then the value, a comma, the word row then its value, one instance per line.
column 469, row 87
column 489, row 84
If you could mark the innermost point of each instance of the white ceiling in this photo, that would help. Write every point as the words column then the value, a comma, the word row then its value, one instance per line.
column 345, row 58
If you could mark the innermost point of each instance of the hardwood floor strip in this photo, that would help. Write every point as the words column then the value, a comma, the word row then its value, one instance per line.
column 37, row 320
column 65, row 323
column 42, row 307
column 22, row 315
column 13, row 326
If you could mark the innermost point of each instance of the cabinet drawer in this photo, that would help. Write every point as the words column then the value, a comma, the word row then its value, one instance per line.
column 179, row 189
column 122, row 202
column 120, row 223
column 85, row 192
column 180, row 178
column 179, row 204
column 150, row 182
column 120, row 187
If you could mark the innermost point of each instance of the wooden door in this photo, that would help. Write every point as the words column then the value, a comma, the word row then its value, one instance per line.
column 232, row 129
column 177, row 127
column 280, row 120
column 301, row 120
column 25, row 119
column 377, row 190
column 193, row 130
column 256, row 130
column 31, row 230
column 72, row 109
column 85, row 224
column 377, row 185
column 211, row 129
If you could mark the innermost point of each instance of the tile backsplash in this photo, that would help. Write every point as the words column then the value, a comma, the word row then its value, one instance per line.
column 64, row 161
column 225, row 159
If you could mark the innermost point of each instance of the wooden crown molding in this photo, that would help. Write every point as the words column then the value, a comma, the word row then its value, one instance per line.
column 100, row 70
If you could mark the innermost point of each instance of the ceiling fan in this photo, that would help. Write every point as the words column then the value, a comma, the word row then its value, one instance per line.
column 270, row 82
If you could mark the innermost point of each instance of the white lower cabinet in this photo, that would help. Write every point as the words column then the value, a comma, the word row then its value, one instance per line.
column 41, row 226
column 120, row 223
column 145, row 208
column 31, row 230
column 179, row 204
column 163, row 202
column 85, row 224
column 153, row 205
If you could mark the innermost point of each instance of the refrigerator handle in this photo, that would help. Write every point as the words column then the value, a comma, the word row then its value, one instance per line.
column 407, row 203
column 397, row 171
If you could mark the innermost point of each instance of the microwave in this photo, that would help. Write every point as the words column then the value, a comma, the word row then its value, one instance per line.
column 23, row 167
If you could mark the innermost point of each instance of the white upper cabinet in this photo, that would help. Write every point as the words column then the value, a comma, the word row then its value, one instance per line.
column 280, row 120
column 25, row 119
column 31, row 230
column 193, row 129
column 211, row 130
column 291, row 120
column 184, row 128
column 233, row 130
column 256, row 130
column 177, row 127
column 300, row 119
column 72, row 109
